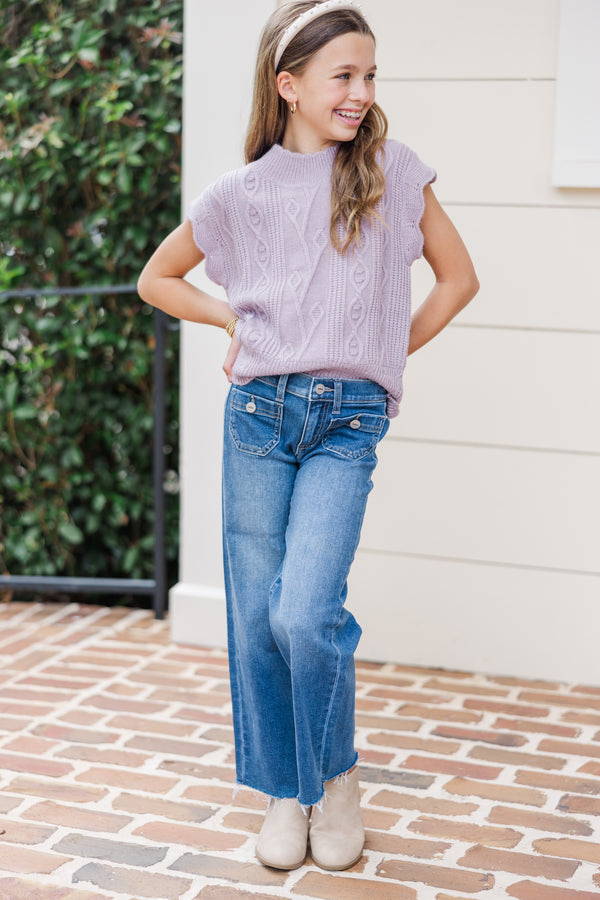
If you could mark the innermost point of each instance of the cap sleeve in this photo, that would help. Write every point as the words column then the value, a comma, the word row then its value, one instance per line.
column 409, row 180
column 210, row 235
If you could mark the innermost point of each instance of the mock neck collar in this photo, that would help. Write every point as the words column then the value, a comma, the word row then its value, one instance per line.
column 286, row 165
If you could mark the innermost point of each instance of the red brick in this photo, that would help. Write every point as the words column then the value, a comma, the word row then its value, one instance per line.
column 503, row 792
column 221, row 892
column 533, row 683
column 33, row 710
column 585, row 689
column 509, row 709
column 408, row 696
column 153, row 726
column 333, row 887
column 395, row 845
column 376, row 757
column 60, row 683
column 142, row 707
column 590, row 768
column 169, row 746
column 569, row 848
column 430, row 805
column 525, row 818
column 573, row 748
column 179, row 810
column 250, row 823
column 81, row 717
column 154, row 784
column 122, row 689
column 104, row 755
column 30, row 660
column 557, row 699
column 22, row 694
column 465, row 831
column 435, row 876
column 474, row 734
column 13, row 724
column 440, row 714
column 434, row 672
column 387, row 723
column 75, row 735
column 364, row 676
column 589, row 806
column 18, row 889
column 56, row 790
column 519, row 863
column 34, row 766
column 557, row 782
column 436, row 684
column 15, row 832
column 514, row 758
column 29, row 862
column 133, row 881
column 537, row 727
column 190, row 836
column 226, row 796
column 450, row 767
column 193, row 698
column 197, row 770
column 83, row 672
column 581, row 718
column 530, row 890
column 34, row 746
column 411, row 742
column 75, row 817
column 229, row 869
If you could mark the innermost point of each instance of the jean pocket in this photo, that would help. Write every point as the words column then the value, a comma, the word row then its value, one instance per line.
column 355, row 436
column 254, row 422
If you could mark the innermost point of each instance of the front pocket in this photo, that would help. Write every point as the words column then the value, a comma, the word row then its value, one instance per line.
column 254, row 422
column 355, row 436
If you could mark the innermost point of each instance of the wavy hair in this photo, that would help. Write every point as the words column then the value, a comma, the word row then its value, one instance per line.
column 358, row 182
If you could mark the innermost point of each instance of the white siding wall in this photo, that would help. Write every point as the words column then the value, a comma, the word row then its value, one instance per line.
column 481, row 547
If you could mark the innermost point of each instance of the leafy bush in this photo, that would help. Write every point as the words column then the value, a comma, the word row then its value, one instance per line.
column 89, row 183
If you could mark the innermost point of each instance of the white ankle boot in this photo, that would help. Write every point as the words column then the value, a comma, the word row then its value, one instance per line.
column 283, row 837
column 337, row 834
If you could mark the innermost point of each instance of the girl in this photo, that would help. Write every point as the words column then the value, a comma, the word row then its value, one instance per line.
column 313, row 240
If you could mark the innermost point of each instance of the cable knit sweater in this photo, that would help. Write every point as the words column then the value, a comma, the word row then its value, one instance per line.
column 302, row 306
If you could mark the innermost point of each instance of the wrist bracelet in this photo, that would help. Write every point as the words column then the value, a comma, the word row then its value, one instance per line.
column 230, row 327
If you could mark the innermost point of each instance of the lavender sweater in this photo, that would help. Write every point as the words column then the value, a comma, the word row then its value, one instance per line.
column 303, row 307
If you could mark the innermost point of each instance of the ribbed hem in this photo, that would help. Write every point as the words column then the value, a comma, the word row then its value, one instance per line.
column 283, row 165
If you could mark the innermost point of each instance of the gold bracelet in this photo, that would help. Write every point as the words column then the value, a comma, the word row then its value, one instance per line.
column 230, row 327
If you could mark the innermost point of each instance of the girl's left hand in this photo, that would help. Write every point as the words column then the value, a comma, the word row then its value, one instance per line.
column 234, row 349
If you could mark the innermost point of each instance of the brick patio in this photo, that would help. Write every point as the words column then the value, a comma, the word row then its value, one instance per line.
column 116, row 761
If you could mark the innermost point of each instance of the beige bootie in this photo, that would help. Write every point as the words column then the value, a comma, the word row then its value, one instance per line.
column 337, row 834
column 283, row 837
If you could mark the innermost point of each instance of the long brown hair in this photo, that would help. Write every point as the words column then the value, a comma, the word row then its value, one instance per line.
column 358, row 182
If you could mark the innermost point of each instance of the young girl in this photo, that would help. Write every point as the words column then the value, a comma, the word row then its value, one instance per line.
column 313, row 241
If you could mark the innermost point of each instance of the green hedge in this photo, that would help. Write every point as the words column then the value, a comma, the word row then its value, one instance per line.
column 90, row 108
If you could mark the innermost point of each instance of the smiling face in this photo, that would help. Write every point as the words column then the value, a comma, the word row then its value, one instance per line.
column 333, row 94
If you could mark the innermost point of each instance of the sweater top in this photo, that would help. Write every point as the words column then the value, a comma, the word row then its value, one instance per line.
column 302, row 306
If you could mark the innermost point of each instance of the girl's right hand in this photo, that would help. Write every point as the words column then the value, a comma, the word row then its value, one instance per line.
column 234, row 349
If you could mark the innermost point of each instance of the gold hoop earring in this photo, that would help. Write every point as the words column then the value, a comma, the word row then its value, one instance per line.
column 293, row 107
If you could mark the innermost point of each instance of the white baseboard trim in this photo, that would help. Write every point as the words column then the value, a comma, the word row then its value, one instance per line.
column 197, row 615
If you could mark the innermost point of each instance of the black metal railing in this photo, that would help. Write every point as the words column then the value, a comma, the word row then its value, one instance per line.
column 155, row 587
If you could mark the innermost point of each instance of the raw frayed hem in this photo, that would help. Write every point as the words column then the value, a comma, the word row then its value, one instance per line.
column 271, row 801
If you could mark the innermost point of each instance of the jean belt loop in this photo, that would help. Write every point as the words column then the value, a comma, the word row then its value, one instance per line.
column 281, row 384
column 337, row 398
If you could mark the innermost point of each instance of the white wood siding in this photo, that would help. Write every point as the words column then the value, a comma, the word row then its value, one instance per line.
column 482, row 539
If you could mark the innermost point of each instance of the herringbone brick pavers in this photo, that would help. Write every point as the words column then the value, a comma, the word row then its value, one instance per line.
column 117, row 775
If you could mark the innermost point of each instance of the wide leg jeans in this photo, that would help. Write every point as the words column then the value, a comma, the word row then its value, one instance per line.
column 299, row 452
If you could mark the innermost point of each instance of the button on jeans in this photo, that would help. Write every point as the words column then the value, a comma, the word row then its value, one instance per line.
column 299, row 452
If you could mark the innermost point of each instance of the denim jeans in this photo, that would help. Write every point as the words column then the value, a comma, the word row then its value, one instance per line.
column 299, row 452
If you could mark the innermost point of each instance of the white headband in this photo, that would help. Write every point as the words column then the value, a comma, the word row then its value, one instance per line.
column 298, row 24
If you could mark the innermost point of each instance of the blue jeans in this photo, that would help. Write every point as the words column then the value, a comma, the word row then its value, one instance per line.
column 299, row 452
